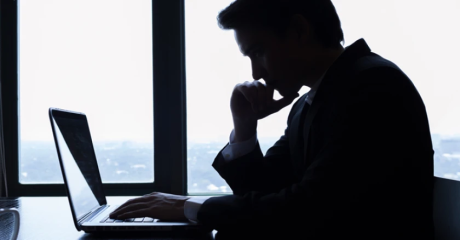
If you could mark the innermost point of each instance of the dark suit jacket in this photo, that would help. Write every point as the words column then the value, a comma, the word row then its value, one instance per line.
column 360, row 166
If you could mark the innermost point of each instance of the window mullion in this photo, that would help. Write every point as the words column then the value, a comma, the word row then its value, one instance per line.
column 169, row 95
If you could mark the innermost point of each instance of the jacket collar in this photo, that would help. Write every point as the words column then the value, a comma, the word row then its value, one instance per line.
column 340, row 67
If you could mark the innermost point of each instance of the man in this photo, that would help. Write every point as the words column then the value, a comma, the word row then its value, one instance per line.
column 356, row 159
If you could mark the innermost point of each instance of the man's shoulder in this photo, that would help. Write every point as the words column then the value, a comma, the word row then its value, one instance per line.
column 374, row 62
column 374, row 69
column 368, row 69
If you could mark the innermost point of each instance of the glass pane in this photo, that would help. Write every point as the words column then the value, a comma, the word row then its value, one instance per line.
column 93, row 57
column 214, row 62
column 424, row 47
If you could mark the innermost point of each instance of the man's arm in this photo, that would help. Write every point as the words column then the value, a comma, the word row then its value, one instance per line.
column 254, row 172
column 250, row 102
column 251, row 171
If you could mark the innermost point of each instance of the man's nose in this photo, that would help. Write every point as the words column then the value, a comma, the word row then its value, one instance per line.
column 258, row 72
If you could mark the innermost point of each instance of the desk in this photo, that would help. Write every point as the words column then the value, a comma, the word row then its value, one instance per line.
column 48, row 218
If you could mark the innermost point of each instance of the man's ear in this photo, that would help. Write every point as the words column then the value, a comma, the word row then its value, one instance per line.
column 301, row 28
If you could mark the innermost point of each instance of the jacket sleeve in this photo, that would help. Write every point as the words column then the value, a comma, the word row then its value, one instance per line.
column 256, row 172
column 374, row 136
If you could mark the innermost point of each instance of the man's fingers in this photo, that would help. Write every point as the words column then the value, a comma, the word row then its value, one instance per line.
column 132, row 201
column 135, row 214
column 260, row 98
column 283, row 102
column 133, row 207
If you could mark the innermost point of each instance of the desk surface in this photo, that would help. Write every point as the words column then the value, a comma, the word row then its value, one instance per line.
column 50, row 218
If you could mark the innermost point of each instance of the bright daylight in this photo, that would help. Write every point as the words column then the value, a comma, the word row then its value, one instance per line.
column 85, row 64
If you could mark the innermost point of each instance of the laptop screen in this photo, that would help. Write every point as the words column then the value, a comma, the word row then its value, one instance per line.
column 78, row 161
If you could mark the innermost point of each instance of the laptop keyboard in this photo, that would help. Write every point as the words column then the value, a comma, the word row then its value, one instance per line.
column 129, row 220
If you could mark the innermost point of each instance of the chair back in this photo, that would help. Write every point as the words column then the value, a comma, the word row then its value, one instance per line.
column 446, row 209
column 3, row 186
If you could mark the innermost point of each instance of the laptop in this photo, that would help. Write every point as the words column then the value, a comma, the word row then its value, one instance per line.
column 82, row 179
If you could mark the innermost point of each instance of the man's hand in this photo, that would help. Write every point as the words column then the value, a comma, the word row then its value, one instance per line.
column 162, row 206
column 250, row 102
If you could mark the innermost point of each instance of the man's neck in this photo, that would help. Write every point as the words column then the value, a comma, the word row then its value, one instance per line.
column 325, row 60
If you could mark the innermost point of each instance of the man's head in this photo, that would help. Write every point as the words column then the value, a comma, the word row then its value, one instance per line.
column 288, row 41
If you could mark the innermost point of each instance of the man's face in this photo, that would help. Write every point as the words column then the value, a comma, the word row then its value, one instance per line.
column 279, row 61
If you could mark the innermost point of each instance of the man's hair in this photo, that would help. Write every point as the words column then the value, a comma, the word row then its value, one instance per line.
column 276, row 15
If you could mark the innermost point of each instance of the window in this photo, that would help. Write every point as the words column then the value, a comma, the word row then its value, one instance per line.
column 93, row 57
column 106, row 50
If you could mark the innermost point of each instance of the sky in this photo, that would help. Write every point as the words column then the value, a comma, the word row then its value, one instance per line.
column 98, row 60
column 88, row 56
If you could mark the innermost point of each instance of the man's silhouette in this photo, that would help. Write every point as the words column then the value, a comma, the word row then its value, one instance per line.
column 356, row 159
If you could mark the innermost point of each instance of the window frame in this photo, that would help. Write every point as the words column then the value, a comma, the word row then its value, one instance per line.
column 170, row 150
